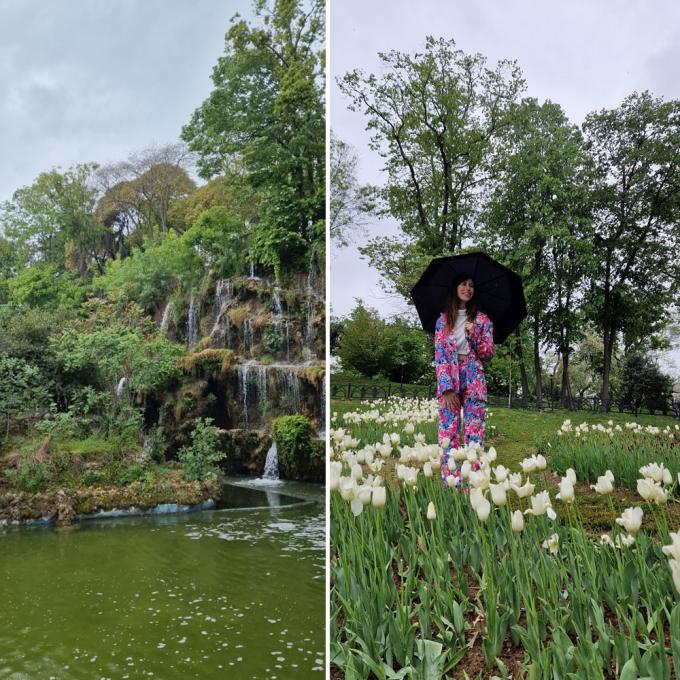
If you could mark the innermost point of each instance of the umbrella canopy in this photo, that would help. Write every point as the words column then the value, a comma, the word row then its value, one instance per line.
column 498, row 290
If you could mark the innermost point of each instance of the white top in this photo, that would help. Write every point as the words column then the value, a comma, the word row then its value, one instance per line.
column 459, row 332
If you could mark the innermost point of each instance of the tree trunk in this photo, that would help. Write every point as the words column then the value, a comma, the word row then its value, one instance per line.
column 565, row 395
column 537, row 363
column 522, row 369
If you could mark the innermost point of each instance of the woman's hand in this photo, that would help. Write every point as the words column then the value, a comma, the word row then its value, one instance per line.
column 451, row 400
column 469, row 327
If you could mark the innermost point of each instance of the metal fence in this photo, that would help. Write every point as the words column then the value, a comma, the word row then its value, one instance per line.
column 349, row 391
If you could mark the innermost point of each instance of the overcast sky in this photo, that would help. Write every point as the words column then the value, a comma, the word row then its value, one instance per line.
column 585, row 55
column 93, row 80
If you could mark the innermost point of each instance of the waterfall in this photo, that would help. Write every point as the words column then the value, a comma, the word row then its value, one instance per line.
column 243, row 371
column 291, row 382
column 165, row 320
column 308, row 339
column 278, row 310
column 192, row 323
column 322, row 429
column 248, row 336
column 252, row 271
column 262, row 388
column 271, row 464
column 224, row 291
column 120, row 387
column 287, row 339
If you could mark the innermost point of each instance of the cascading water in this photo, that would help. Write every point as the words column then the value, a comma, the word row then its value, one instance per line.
column 192, row 323
column 243, row 372
column 291, row 383
column 322, row 429
column 224, row 291
column 271, row 464
column 248, row 336
column 120, row 387
column 165, row 320
column 278, row 310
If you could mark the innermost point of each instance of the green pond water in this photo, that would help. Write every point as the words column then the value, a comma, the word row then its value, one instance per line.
column 237, row 592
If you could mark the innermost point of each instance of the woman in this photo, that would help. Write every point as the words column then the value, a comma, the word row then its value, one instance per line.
column 463, row 339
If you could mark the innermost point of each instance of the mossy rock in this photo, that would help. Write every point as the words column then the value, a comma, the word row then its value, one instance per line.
column 300, row 457
column 207, row 361
column 246, row 451
column 238, row 315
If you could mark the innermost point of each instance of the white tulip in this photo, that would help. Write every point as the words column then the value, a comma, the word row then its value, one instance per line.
column 498, row 495
column 335, row 473
column 483, row 510
column 604, row 485
column 357, row 473
column 501, row 473
column 610, row 476
column 445, row 443
column 431, row 512
column 465, row 469
column 606, row 539
column 379, row 497
column 528, row 465
column 566, row 494
column 517, row 521
column 523, row 491
column 571, row 475
column 673, row 550
column 631, row 519
column 369, row 457
column 480, row 478
column 625, row 541
column 427, row 469
column 541, row 462
column 357, row 506
column 476, row 496
column 675, row 571
column 552, row 544
column 491, row 454
column 540, row 505
column 471, row 455
column 348, row 488
column 364, row 494
column 408, row 428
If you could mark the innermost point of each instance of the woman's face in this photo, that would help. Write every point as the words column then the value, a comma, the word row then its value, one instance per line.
column 465, row 290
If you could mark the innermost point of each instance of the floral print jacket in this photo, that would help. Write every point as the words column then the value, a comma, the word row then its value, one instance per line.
column 480, row 348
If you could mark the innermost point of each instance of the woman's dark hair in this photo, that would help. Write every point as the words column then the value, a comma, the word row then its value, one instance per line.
column 452, row 301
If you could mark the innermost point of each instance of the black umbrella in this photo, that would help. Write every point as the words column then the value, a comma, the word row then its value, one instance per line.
column 497, row 289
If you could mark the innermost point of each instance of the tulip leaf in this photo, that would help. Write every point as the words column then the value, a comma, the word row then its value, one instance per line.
column 629, row 671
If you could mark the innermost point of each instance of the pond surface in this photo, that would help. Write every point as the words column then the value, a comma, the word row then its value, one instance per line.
column 237, row 592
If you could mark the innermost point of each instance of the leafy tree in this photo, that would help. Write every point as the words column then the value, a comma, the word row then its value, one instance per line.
column 362, row 346
column 267, row 113
column 408, row 356
column 43, row 285
column 350, row 204
column 642, row 382
column 200, row 458
column 138, row 193
column 537, row 222
column 152, row 271
column 52, row 221
column 637, row 210
column 219, row 239
column 434, row 117
column 21, row 389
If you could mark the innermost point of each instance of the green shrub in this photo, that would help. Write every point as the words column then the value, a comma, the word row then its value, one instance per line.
column 133, row 473
column 272, row 340
column 29, row 476
column 200, row 458
column 293, row 440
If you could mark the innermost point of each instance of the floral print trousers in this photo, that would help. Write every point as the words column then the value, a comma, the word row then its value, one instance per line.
column 474, row 415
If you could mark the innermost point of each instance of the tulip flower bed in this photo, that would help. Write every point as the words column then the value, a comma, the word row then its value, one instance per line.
column 430, row 581
column 591, row 449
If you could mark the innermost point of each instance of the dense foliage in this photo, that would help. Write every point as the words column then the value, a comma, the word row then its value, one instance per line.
column 588, row 216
